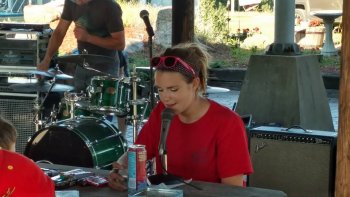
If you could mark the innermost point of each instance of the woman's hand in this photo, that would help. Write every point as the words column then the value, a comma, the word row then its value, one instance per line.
column 116, row 180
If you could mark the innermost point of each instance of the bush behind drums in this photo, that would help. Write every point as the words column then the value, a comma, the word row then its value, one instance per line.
column 84, row 141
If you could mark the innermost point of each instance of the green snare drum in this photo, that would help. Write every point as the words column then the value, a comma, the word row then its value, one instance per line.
column 84, row 141
column 109, row 95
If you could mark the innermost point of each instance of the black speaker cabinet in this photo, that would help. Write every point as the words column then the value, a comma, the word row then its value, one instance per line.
column 18, row 108
column 297, row 161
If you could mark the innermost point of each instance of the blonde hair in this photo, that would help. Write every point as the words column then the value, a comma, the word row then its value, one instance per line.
column 196, row 55
column 8, row 134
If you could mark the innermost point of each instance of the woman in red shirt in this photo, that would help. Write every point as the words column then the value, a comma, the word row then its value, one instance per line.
column 206, row 141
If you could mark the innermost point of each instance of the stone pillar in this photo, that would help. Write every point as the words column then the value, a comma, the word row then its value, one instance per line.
column 287, row 90
column 284, row 29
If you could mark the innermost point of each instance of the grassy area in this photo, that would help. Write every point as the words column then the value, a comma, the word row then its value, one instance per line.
column 240, row 59
column 225, row 53
column 228, row 57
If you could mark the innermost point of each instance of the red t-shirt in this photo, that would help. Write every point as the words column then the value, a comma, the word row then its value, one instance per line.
column 213, row 147
column 20, row 176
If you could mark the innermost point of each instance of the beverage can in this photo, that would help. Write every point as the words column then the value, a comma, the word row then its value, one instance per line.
column 137, row 157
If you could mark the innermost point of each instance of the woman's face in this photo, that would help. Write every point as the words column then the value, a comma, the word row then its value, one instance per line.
column 174, row 91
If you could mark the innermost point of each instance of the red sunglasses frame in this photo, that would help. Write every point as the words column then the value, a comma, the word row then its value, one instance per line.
column 162, row 61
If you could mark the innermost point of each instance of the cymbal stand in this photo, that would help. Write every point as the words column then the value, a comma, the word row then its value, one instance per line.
column 88, row 67
column 40, row 107
column 53, row 115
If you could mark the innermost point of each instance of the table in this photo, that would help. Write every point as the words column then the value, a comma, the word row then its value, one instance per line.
column 208, row 189
column 328, row 17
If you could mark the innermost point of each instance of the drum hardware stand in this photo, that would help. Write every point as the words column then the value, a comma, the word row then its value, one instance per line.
column 134, row 103
column 36, row 120
column 38, row 108
column 71, row 98
column 53, row 114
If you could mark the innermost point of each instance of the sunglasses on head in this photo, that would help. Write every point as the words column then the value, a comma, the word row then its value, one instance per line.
column 171, row 62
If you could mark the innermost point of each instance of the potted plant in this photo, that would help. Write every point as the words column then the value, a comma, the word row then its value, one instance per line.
column 314, row 34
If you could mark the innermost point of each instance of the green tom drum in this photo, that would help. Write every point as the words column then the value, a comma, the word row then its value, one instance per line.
column 109, row 95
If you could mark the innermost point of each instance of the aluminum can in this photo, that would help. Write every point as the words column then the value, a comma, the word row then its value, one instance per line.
column 137, row 158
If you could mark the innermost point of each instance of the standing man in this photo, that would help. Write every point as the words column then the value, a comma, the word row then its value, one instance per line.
column 98, row 29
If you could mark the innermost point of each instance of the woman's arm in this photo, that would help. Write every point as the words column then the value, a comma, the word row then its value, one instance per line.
column 233, row 180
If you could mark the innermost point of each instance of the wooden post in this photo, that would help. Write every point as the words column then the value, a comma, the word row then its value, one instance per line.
column 342, row 187
column 183, row 21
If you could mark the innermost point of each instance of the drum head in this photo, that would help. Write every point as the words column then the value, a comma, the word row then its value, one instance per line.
column 85, row 142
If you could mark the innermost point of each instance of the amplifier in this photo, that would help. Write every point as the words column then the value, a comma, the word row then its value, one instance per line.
column 18, row 108
column 22, row 49
column 297, row 161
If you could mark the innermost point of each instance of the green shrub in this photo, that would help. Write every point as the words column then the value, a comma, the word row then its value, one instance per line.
column 211, row 22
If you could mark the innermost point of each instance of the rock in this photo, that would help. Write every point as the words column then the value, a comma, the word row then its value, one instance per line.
column 257, row 40
column 133, row 45
column 43, row 13
column 163, row 27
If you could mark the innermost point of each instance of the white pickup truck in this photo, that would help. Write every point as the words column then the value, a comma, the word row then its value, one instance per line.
column 304, row 8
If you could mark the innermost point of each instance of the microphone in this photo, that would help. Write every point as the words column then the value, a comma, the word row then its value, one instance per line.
column 144, row 15
column 167, row 117
column 167, row 179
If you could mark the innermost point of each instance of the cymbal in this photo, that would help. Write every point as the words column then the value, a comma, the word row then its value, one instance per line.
column 51, row 73
column 38, row 87
column 41, row 73
column 59, row 74
column 80, row 59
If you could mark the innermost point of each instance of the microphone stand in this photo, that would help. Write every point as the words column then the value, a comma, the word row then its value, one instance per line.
column 166, row 178
column 144, row 15
column 150, row 46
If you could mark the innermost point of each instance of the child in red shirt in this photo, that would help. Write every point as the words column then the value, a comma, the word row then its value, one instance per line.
column 20, row 176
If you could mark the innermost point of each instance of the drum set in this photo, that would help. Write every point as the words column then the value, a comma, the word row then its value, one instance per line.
column 77, row 131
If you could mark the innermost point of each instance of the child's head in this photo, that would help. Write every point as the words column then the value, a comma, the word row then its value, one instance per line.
column 8, row 135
